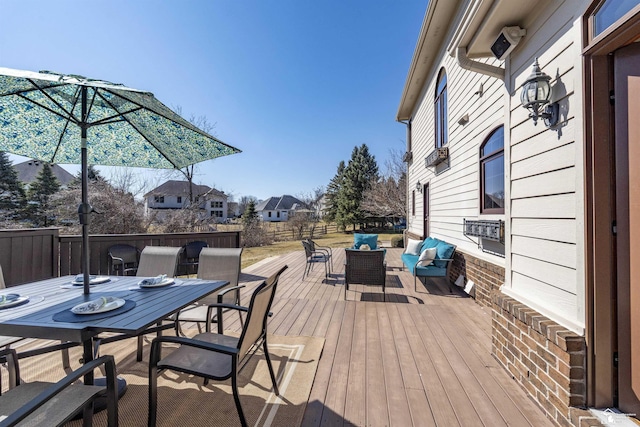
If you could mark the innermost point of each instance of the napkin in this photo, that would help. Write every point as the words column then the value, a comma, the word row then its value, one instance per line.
column 153, row 280
column 95, row 305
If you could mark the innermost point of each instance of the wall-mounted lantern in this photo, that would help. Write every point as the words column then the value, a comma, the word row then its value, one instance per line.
column 535, row 96
column 418, row 187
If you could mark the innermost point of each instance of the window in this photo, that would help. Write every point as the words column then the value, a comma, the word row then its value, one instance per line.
column 492, row 173
column 609, row 12
column 158, row 199
column 269, row 214
column 440, row 111
column 216, row 214
column 179, row 199
column 216, row 204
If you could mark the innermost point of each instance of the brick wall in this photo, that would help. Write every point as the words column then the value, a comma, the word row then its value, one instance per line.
column 486, row 276
column 545, row 358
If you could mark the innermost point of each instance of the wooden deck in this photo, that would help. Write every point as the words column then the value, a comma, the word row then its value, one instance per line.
column 419, row 358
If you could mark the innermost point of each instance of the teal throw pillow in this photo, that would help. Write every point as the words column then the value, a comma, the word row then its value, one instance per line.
column 429, row 242
column 368, row 239
column 444, row 251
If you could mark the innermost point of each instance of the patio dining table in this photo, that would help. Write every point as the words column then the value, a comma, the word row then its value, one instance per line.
column 47, row 313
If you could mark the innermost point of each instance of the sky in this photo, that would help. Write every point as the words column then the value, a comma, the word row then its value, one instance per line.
column 294, row 84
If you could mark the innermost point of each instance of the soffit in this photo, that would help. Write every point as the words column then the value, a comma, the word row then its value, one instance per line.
column 435, row 25
column 491, row 16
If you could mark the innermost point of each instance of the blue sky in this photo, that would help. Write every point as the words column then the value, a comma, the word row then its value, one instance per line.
column 294, row 84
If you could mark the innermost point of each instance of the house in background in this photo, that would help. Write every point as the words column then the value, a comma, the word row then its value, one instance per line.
column 278, row 209
column 173, row 195
column 542, row 206
column 28, row 172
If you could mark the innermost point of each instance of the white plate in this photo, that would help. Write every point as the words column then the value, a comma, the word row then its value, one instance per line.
column 166, row 282
column 90, row 307
column 93, row 281
column 15, row 302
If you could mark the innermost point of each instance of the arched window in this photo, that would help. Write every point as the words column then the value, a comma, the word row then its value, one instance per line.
column 440, row 111
column 492, row 173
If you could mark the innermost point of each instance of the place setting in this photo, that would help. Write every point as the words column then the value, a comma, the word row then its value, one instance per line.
column 156, row 282
column 12, row 300
column 98, row 308
column 94, row 280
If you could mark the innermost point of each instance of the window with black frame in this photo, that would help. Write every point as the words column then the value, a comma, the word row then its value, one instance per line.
column 440, row 111
column 492, row 173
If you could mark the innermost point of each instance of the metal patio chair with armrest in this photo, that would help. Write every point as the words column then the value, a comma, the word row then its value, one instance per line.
column 215, row 356
column 123, row 259
column 324, row 249
column 365, row 268
column 154, row 261
column 314, row 257
column 190, row 256
column 218, row 264
column 54, row 404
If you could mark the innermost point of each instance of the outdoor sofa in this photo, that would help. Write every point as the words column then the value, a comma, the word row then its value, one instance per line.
column 435, row 262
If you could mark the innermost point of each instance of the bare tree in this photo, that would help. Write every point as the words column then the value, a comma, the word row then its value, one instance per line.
column 118, row 211
column 189, row 172
column 387, row 197
column 126, row 180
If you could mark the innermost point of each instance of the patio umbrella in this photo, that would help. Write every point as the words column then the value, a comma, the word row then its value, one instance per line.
column 70, row 119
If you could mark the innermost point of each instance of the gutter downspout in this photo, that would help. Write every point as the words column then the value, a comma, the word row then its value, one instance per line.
column 477, row 67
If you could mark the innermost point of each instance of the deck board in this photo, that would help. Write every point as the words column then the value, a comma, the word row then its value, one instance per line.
column 419, row 358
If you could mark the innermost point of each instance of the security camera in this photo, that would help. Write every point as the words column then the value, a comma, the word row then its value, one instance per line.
column 507, row 40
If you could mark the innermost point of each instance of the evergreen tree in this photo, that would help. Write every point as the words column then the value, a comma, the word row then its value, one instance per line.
column 333, row 191
column 250, row 216
column 39, row 197
column 12, row 195
column 360, row 173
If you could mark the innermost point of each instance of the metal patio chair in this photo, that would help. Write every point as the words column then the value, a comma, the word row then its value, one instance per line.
column 123, row 259
column 54, row 404
column 314, row 257
column 190, row 257
column 215, row 264
column 215, row 356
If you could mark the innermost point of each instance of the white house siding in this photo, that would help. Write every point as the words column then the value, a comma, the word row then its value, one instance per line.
column 454, row 190
column 544, row 265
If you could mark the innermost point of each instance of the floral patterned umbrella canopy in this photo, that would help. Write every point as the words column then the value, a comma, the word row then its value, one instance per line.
column 69, row 119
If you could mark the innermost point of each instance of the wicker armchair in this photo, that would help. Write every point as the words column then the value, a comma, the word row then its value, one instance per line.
column 366, row 268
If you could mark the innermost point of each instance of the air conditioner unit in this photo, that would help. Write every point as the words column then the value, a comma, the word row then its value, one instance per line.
column 438, row 156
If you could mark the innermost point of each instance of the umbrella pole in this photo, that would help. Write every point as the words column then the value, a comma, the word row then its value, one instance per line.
column 84, row 209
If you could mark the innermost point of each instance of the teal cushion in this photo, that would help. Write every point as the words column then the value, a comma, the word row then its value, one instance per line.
column 444, row 251
column 368, row 239
column 429, row 242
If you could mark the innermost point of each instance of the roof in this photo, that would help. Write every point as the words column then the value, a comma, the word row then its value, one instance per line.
column 181, row 188
column 283, row 203
column 28, row 172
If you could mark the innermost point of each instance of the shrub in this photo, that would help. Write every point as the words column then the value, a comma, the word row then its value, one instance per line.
column 397, row 242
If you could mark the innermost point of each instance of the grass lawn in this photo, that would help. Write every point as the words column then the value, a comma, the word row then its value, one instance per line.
column 333, row 240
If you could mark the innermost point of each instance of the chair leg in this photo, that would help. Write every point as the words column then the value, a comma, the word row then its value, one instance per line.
column 236, row 398
column 273, row 376
column 153, row 396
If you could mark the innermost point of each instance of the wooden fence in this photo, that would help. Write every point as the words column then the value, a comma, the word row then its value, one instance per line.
column 35, row 254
